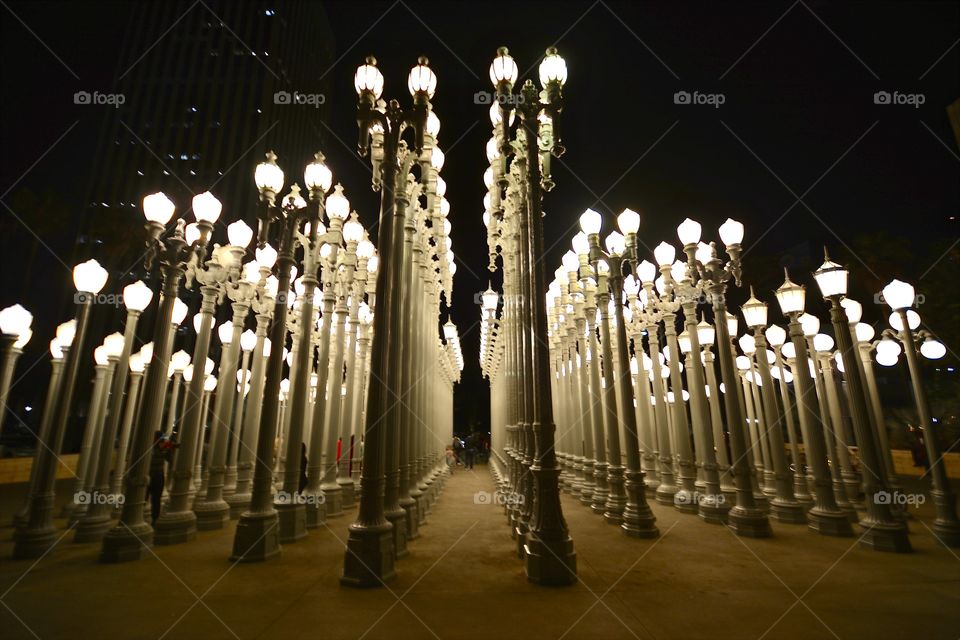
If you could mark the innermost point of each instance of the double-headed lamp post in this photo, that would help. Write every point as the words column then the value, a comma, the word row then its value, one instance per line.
column 369, row 559
column 637, row 518
column 132, row 536
column 548, row 548
column 900, row 296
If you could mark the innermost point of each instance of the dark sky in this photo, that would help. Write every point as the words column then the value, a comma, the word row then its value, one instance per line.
column 798, row 151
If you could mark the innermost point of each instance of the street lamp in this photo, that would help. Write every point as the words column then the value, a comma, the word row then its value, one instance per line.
column 15, row 324
column 38, row 534
column 900, row 297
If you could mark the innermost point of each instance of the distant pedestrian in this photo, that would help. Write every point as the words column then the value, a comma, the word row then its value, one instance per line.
column 303, row 467
column 161, row 453
column 451, row 458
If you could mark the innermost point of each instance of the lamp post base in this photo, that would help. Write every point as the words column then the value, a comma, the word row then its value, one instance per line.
column 685, row 501
column 714, row 509
column 348, row 492
column 92, row 529
column 885, row 537
column 239, row 502
column 257, row 537
column 617, row 497
column 333, row 499
column 550, row 564
column 316, row 510
column 410, row 510
column 789, row 512
column 829, row 523
column 211, row 515
column 750, row 523
column 369, row 558
column 175, row 528
column 33, row 543
column 293, row 522
column 124, row 543
column 665, row 492
column 398, row 518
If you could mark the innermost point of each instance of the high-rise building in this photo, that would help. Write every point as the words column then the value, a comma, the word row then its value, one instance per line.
column 206, row 89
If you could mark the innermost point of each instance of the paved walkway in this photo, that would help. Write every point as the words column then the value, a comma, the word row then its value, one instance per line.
column 463, row 580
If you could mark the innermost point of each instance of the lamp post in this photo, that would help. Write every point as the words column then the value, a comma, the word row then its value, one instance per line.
column 825, row 516
column 883, row 532
column 15, row 332
column 900, row 296
column 746, row 518
column 369, row 560
column 257, row 535
column 784, row 506
column 133, row 535
column 637, row 519
column 38, row 534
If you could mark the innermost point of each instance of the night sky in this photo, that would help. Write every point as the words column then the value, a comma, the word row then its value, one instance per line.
column 799, row 151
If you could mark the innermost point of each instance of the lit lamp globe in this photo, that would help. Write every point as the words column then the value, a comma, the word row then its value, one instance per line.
column 832, row 278
column 896, row 320
column 63, row 338
column 368, row 78
column 337, row 205
column 489, row 300
column 853, row 308
column 268, row 176
column 352, row 231
column 210, row 384
column 570, row 262
column 590, row 222
column 503, row 69
column 179, row 312
column 248, row 340
column 114, row 344
column 664, row 254
column 705, row 334
column 932, row 349
column 187, row 373
column 136, row 363
column 266, row 256
column 206, row 207
column 747, row 344
column 888, row 352
column 192, row 233
column 239, row 234
column 646, row 271
column 581, row 244
column 775, row 335
column 743, row 363
column 788, row 351
column 899, row 295
column 23, row 339
column 616, row 244
column 705, row 253
column 137, row 296
column 433, row 124
column 629, row 222
column 822, row 343
column 754, row 312
column 731, row 233
column 422, row 79
column 790, row 296
column 89, row 277
column 864, row 332
column 684, row 341
column 225, row 333
column 689, row 232
column 15, row 320
column 437, row 158
column 146, row 353
column 732, row 324
column 180, row 360
column 442, row 184
column 158, row 209
column 810, row 325
column 553, row 69
column 317, row 176
column 365, row 250
column 493, row 150
column 100, row 356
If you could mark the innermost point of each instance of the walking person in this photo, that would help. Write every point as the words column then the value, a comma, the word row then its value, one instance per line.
column 162, row 453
